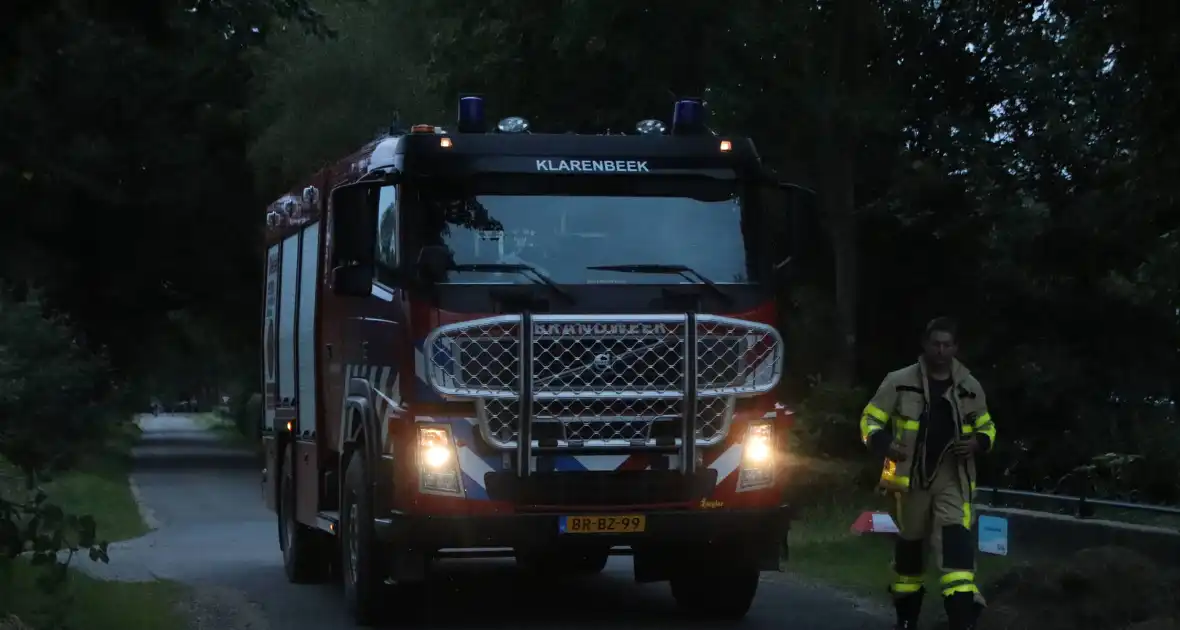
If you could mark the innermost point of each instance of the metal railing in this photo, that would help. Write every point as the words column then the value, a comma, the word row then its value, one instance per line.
column 1079, row 506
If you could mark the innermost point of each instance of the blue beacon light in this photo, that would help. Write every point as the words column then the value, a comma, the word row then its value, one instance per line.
column 688, row 117
column 471, row 118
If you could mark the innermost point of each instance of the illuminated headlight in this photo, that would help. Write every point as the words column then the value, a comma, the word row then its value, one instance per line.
column 437, row 464
column 757, row 457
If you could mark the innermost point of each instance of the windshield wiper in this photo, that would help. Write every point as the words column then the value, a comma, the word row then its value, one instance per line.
column 681, row 270
column 523, row 269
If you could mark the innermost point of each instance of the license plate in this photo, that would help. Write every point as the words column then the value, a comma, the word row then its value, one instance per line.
column 614, row 524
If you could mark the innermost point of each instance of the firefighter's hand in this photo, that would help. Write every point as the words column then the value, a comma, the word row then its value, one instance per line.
column 896, row 452
column 965, row 447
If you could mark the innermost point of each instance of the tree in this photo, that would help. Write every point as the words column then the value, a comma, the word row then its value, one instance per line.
column 1007, row 162
column 128, row 200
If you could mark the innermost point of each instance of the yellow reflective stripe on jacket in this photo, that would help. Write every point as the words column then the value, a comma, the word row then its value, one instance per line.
column 958, row 582
column 984, row 425
column 876, row 413
column 905, row 424
column 872, row 419
column 868, row 427
column 907, row 584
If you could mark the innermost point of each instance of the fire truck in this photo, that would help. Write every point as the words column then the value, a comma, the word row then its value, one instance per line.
column 553, row 347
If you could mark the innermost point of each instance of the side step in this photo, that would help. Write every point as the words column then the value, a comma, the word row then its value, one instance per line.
column 327, row 521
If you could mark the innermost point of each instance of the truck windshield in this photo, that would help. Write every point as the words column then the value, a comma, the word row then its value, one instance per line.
column 562, row 235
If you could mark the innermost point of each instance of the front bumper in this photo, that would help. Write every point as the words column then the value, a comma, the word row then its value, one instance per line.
column 672, row 527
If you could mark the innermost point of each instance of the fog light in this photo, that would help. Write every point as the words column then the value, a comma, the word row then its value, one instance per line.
column 435, row 457
column 757, row 458
column 437, row 470
column 758, row 452
column 759, row 444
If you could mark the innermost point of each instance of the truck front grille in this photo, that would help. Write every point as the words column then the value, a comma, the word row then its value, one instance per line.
column 619, row 422
column 610, row 381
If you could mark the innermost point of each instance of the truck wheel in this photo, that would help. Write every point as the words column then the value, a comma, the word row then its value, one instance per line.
column 716, row 591
column 361, row 558
column 563, row 561
column 305, row 550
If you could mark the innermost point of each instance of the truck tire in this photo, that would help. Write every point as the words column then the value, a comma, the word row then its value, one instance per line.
column 716, row 591
column 558, row 562
column 361, row 557
column 306, row 555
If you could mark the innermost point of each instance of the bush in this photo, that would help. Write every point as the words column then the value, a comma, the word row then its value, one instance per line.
column 247, row 415
column 1103, row 587
column 49, row 385
column 828, row 422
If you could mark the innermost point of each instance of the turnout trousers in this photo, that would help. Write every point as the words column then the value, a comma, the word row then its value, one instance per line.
column 937, row 521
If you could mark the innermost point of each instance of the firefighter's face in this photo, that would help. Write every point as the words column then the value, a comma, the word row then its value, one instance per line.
column 939, row 348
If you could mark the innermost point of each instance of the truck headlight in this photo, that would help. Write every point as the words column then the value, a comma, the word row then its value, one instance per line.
column 757, row 457
column 438, row 469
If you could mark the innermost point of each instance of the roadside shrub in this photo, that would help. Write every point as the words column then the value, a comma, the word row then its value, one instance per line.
column 1155, row 476
column 29, row 524
column 49, row 385
column 248, row 416
column 827, row 423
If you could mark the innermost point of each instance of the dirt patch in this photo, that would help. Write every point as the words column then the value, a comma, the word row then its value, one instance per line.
column 1103, row 588
column 217, row 608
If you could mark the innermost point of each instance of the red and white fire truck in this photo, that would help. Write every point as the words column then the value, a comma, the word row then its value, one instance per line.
column 556, row 347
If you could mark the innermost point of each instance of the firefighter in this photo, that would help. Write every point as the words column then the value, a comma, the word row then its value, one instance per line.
column 928, row 421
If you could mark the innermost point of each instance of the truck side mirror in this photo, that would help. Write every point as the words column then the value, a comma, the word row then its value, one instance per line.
column 802, row 229
column 354, row 239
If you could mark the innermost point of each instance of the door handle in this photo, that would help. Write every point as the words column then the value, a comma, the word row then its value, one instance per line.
column 365, row 350
column 328, row 349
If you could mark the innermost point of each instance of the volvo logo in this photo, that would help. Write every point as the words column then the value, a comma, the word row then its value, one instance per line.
column 602, row 362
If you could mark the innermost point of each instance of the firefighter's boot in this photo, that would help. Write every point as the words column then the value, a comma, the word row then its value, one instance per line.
column 909, row 608
column 961, row 611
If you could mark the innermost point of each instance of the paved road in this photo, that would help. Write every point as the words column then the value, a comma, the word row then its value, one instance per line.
column 212, row 529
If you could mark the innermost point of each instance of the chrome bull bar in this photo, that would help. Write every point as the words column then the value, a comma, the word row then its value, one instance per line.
column 603, row 384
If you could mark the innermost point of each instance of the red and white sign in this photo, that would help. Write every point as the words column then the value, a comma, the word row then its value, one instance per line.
column 874, row 523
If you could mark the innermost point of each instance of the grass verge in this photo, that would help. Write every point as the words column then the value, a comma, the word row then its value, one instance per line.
column 97, row 486
column 85, row 602
column 823, row 547
column 225, row 429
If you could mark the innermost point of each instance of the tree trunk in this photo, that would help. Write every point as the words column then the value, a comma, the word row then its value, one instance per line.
column 836, row 163
column 838, row 203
